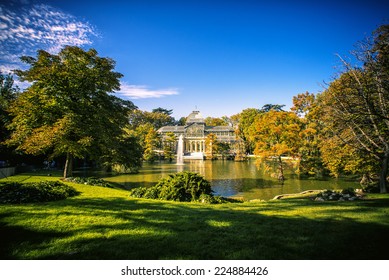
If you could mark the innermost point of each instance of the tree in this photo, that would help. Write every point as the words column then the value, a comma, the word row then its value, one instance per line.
column 162, row 117
column 125, row 155
column 157, row 118
column 356, row 104
column 140, row 134
column 215, row 121
column 340, row 157
column 142, row 121
column 305, row 105
column 223, row 149
column 181, row 121
column 68, row 110
column 151, row 144
column 272, row 107
column 276, row 134
column 162, row 110
column 169, row 146
column 8, row 93
column 244, row 126
column 211, row 145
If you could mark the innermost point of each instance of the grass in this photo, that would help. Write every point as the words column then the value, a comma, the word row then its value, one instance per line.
column 105, row 223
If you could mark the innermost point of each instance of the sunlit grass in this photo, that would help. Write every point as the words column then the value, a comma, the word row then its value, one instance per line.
column 105, row 223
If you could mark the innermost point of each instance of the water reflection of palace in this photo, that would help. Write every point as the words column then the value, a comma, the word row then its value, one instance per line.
column 195, row 132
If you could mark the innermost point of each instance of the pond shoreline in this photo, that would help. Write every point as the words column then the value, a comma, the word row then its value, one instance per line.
column 232, row 179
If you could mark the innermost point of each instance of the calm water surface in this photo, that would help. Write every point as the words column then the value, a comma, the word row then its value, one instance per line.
column 229, row 179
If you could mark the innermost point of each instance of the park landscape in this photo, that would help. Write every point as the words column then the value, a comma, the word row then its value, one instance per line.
column 74, row 207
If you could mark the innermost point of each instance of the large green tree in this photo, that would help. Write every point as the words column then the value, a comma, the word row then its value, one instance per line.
column 215, row 121
column 356, row 104
column 211, row 146
column 244, row 127
column 8, row 93
column 151, row 143
column 169, row 146
column 158, row 118
column 67, row 109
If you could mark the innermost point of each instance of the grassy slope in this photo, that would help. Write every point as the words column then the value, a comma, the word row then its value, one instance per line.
column 105, row 223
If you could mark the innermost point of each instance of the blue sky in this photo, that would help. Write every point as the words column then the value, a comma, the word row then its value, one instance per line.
column 217, row 56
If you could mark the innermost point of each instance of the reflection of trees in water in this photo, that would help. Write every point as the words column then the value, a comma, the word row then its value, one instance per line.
column 228, row 178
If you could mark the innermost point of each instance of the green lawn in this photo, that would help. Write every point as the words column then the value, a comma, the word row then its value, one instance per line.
column 104, row 223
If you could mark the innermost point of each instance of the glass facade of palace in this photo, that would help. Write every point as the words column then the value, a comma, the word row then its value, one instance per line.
column 194, row 133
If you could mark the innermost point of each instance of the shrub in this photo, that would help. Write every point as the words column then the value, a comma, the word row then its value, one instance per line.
column 34, row 192
column 142, row 192
column 182, row 186
column 211, row 199
column 92, row 181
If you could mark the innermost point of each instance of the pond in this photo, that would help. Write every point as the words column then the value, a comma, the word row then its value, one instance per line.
column 232, row 179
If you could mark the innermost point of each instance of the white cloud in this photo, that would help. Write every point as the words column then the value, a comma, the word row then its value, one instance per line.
column 140, row 92
column 26, row 29
column 7, row 68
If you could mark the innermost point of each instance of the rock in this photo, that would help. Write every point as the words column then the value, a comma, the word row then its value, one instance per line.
column 319, row 199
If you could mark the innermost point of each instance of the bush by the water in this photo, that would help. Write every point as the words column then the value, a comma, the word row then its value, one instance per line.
column 14, row 192
column 182, row 186
column 92, row 181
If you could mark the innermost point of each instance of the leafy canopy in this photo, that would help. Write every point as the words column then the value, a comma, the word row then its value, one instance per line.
column 356, row 106
column 68, row 108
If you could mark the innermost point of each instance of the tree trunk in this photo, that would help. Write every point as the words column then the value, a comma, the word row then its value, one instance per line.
column 68, row 171
column 281, row 176
column 384, row 173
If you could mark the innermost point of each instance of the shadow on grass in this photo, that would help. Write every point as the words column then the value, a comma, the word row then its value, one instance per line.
column 14, row 238
column 118, row 228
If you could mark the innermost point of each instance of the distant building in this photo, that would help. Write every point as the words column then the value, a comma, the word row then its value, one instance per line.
column 194, row 133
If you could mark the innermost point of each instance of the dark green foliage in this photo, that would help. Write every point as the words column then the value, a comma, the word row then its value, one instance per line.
column 92, row 181
column 143, row 192
column 372, row 188
column 272, row 107
column 349, row 191
column 68, row 110
column 16, row 193
column 183, row 186
column 211, row 199
column 8, row 93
